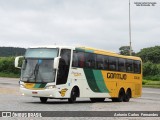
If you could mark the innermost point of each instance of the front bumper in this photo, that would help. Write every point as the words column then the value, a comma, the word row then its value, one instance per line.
column 51, row 93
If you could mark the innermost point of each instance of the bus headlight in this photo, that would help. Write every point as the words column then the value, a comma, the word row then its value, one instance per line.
column 50, row 87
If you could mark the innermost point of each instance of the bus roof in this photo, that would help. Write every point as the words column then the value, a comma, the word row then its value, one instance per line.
column 89, row 49
column 53, row 46
column 105, row 52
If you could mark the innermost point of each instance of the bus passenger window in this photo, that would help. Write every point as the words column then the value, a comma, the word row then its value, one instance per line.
column 129, row 65
column 121, row 65
column 113, row 63
column 90, row 60
column 137, row 66
column 78, row 59
column 75, row 59
column 81, row 59
column 105, row 58
column 102, row 62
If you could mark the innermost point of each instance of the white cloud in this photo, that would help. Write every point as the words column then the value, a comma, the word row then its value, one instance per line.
column 97, row 23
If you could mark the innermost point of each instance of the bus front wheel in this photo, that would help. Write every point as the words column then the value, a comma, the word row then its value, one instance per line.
column 43, row 99
column 73, row 96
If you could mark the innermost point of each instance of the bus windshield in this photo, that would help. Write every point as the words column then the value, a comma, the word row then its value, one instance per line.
column 41, row 53
column 38, row 65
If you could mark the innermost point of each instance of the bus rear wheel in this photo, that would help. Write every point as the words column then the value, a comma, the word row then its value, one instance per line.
column 127, row 96
column 43, row 99
column 121, row 96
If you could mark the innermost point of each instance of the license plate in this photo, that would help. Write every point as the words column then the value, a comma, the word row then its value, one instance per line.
column 34, row 92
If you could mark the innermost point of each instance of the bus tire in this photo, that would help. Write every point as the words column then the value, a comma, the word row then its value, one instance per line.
column 73, row 96
column 43, row 99
column 127, row 95
column 121, row 96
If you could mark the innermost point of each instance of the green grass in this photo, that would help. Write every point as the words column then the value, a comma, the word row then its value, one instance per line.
column 10, row 75
column 153, row 78
column 151, row 83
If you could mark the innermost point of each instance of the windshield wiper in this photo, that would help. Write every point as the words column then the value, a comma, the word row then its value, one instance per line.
column 33, row 73
column 36, row 71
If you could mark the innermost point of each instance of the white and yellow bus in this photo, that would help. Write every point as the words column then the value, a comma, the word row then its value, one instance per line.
column 65, row 72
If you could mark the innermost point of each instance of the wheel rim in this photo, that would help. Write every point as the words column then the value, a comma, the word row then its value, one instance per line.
column 128, row 95
column 74, row 95
column 72, row 99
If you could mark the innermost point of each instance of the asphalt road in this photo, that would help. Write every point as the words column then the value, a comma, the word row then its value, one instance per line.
column 12, row 100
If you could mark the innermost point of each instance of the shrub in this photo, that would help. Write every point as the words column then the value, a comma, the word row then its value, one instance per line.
column 7, row 65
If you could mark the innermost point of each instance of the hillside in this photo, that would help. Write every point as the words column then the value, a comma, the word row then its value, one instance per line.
column 11, row 51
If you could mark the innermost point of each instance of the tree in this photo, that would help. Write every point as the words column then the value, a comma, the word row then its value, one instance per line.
column 125, row 50
column 151, row 54
column 11, row 51
column 151, row 62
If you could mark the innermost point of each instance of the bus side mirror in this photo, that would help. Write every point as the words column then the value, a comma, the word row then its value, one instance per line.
column 56, row 63
column 16, row 62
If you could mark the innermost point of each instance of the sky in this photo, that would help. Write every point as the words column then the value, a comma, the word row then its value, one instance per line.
column 102, row 24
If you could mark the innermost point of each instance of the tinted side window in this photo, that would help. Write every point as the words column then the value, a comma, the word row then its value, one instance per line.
column 66, row 55
column 75, row 59
column 137, row 66
column 64, row 64
column 78, row 59
column 113, row 63
column 129, row 65
column 121, row 65
column 102, row 62
column 90, row 60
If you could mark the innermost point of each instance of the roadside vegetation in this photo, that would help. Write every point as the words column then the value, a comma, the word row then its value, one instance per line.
column 7, row 68
column 151, row 66
column 151, row 83
column 7, row 56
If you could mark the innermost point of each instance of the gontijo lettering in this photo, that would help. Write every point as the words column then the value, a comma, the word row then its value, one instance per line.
column 116, row 76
